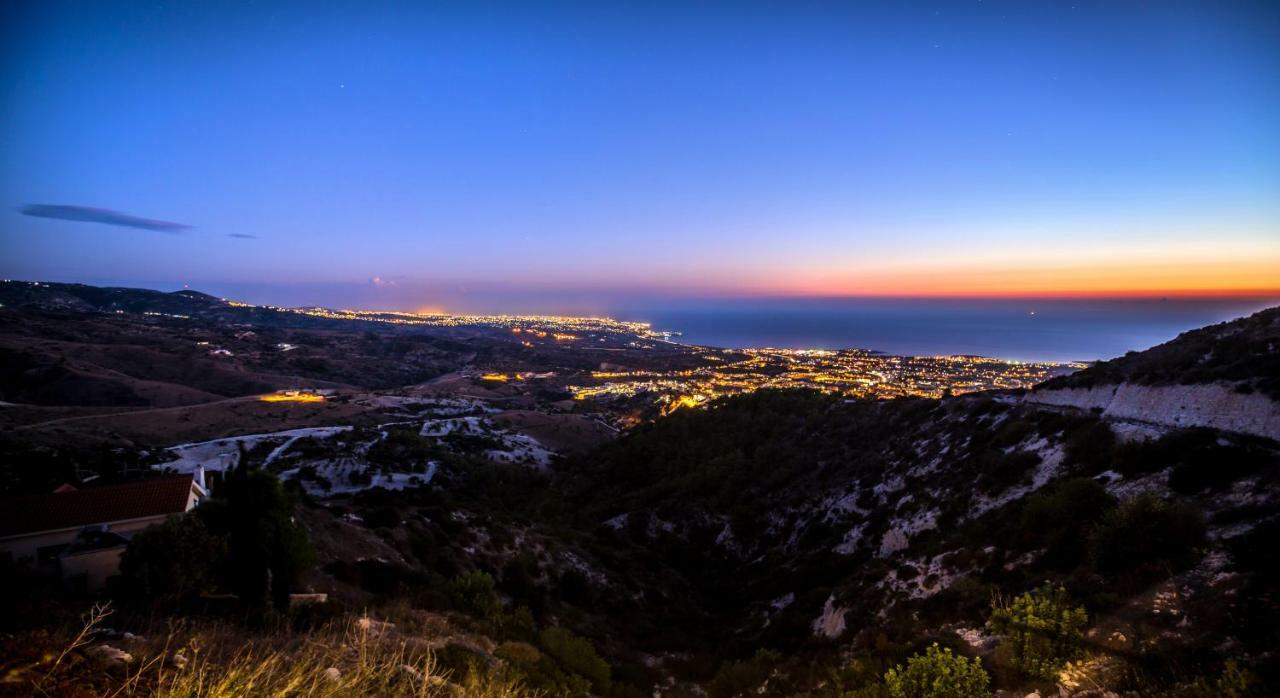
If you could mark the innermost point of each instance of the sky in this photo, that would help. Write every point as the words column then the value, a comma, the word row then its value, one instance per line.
column 480, row 156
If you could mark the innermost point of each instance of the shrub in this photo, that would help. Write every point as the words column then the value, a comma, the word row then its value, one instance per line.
column 1061, row 517
column 578, row 655
column 1145, row 531
column 1214, row 466
column 1089, row 447
column 744, row 678
column 938, row 674
column 1001, row 471
column 541, row 673
column 474, row 592
column 1039, row 630
column 173, row 560
column 1197, row 458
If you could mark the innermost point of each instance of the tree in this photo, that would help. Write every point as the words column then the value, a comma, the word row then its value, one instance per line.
column 1040, row 630
column 173, row 560
column 938, row 674
column 266, row 550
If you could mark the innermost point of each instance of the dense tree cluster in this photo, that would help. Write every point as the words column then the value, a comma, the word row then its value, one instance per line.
column 243, row 540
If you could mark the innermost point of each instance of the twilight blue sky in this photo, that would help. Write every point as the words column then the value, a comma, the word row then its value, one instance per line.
column 480, row 155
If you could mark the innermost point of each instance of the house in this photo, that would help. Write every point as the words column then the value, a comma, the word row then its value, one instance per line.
column 79, row 534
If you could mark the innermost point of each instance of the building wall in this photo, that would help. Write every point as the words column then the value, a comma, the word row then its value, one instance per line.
column 89, row 571
column 26, row 547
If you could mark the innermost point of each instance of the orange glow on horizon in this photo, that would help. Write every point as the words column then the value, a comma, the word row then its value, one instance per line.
column 1172, row 280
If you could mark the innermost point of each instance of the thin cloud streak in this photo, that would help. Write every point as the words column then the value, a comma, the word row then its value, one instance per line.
column 88, row 214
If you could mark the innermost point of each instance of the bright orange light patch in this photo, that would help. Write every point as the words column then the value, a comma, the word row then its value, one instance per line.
column 683, row 402
column 497, row 377
column 292, row 397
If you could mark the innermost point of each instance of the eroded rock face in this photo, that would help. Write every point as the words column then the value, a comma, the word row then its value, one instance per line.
column 1214, row 405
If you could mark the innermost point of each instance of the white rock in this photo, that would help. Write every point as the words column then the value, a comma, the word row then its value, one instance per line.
column 110, row 656
column 892, row 542
column 831, row 623
column 374, row 627
column 1215, row 405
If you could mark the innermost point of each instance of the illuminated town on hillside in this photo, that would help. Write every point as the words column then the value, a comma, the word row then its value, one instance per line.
column 561, row 326
column 855, row 373
column 851, row 372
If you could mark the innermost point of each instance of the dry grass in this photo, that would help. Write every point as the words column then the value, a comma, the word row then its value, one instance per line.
column 355, row 658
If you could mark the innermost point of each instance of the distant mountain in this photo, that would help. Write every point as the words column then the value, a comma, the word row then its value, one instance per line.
column 82, row 297
column 55, row 297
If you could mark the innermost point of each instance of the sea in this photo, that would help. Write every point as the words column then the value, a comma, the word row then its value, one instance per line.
column 1055, row 330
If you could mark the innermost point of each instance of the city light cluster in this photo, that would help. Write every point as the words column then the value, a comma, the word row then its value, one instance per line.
column 854, row 373
column 558, row 327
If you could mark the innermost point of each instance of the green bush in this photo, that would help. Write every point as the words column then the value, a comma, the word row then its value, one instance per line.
column 938, row 674
column 475, row 593
column 1233, row 682
column 744, row 678
column 1088, row 448
column 539, row 672
column 1145, row 531
column 1215, row 466
column 1039, row 631
column 577, row 655
column 1200, row 460
column 173, row 560
column 1060, row 518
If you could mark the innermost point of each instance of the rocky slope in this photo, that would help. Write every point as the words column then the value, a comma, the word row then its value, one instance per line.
column 820, row 528
column 791, row 542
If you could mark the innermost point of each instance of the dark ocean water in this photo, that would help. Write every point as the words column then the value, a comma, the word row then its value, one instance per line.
column 1024, row 330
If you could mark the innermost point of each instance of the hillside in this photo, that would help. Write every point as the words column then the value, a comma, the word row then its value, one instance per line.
column 870, row 527
column 1243, row 353
column 782, row 542
column 1223, row 377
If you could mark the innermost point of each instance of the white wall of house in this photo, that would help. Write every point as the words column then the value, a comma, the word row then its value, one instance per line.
column 24, row 547
column 91, row 569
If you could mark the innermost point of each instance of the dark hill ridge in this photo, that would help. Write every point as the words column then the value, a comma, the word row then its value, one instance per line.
column 1225, row 377
column 1244, row 352
column 22, row 294
column 39, row 296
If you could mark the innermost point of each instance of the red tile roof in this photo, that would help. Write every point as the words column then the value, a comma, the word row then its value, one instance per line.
column 156, row 496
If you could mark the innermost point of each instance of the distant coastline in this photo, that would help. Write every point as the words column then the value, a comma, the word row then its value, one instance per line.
column 1055, row 330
